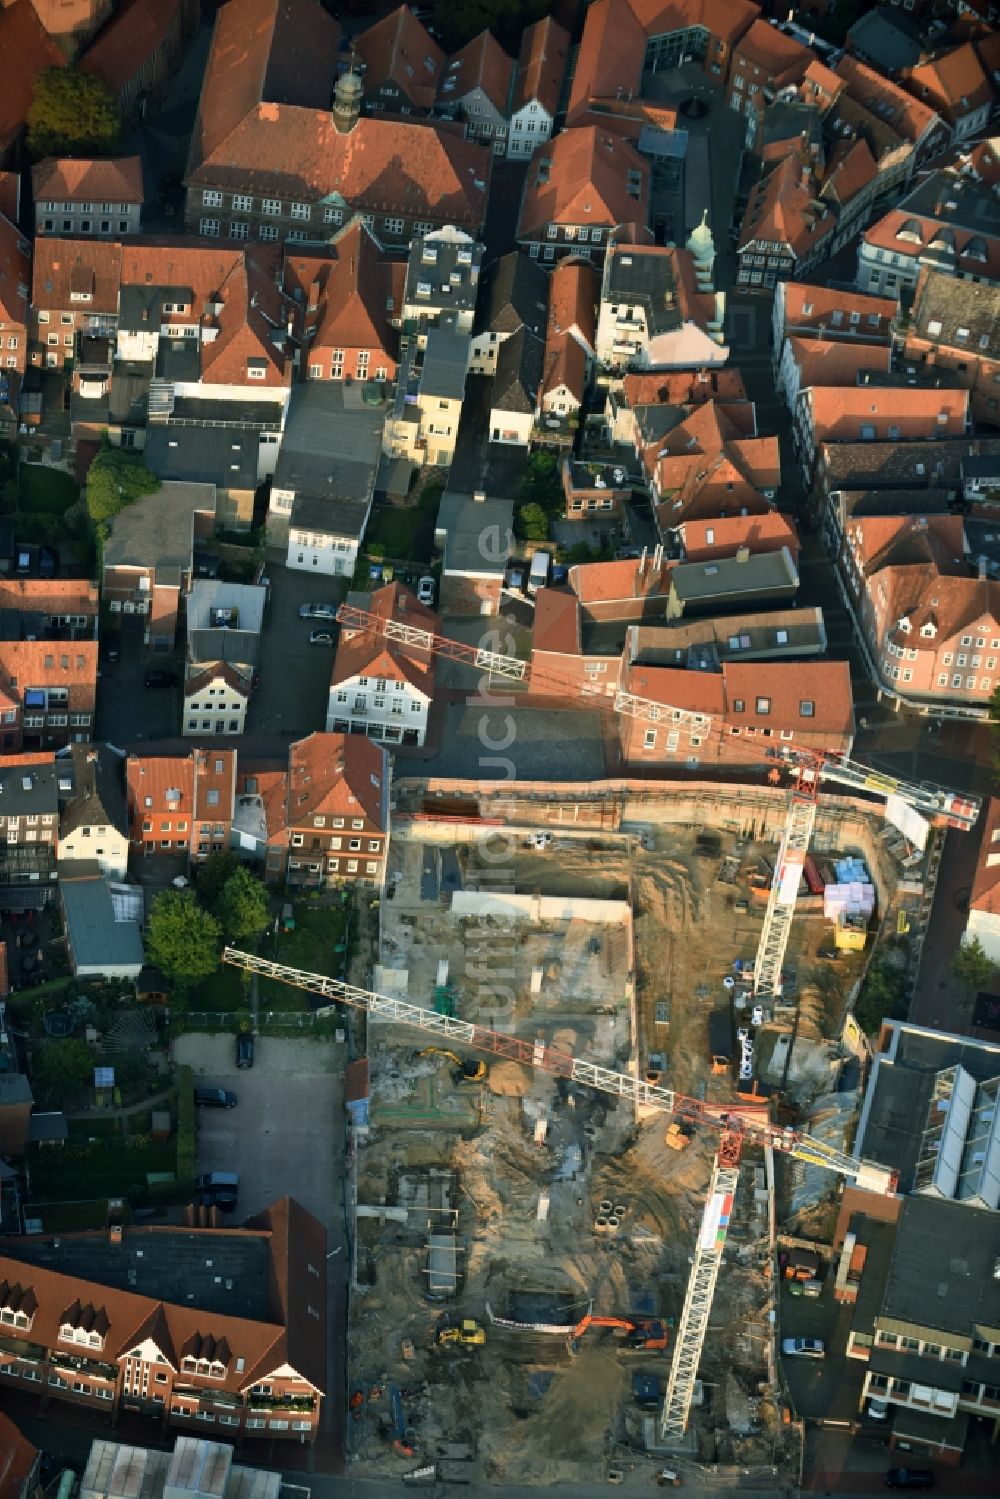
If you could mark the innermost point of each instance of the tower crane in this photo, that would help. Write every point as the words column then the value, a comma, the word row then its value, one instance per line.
column 807, row 767
column 737, row 1127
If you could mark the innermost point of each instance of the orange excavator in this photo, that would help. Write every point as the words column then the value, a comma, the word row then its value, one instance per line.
column 647, row 1333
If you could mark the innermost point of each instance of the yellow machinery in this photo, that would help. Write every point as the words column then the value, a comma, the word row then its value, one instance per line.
column 471, row 1070
column 468, row 1334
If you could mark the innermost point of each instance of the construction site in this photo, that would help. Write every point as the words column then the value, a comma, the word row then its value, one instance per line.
column 524, row 1239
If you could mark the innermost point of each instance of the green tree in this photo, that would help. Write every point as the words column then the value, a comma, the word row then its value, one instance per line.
column 72, row 113
column 212, row 877
column 540, row 484
column 971, row 965
column 242, row 908
column 534, row 523
column 882, row 997
column 61, row 1072
column 114, row 480
column 182, row 938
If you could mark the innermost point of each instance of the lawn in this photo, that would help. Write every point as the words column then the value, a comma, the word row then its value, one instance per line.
column 318, row 932
column 406, row 533
column 222, row 992
column 45, row 491
column 69, row 1217
column 99, row 1161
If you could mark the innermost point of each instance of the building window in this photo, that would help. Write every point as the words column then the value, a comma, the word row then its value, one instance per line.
column 268, row 231
column 211, row 199
column 271, row 206
column 300, row 210
column 763, row 705
column 333, row 215
column 238, row 230
column 208, row 226
column 241, row 203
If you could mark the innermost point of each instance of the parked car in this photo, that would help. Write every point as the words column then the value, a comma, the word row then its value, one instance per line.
column 48, row 562
column 810, row 1288
column 425, row 590
column 159, row 676
column 515, row 578
column 317, row 611
column 214, row 1098
column 23, row 561
column 803, row 1348
column 878, row 1409
column 111, row 647
column 244, row 1049
column 909, row 1478
column 320, row 637
column 219, row 1198
column 217, row 1189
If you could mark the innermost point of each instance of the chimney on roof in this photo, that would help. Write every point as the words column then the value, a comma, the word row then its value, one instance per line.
column 743, row 554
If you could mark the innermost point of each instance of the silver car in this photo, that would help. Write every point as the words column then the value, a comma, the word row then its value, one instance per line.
column 803, row 1348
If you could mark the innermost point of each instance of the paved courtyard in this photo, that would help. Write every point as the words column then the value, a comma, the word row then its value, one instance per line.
column 285, row 1135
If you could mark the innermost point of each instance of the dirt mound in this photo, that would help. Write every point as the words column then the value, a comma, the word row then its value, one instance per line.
column 509, row 1079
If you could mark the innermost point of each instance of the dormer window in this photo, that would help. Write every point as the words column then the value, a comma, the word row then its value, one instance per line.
column 928, row 631
column 903, row 625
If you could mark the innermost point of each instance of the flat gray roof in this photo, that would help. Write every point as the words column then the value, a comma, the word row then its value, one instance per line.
column 477, row 534
column 759, row 573
column 215, row 1271
column 331, row 444
column 942, row 1270
column 97, row 939
column 446, row 361
column 157, row 530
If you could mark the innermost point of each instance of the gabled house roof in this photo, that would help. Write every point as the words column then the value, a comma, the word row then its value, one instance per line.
column 830, row 361
column 368, row 652
column 128, row 40
column 889, row 39
column 683, row 387
column 158, row 783
column 782, row 59
column 98, row 796
column 784, row 209
column 609, row 57
column 957, row 314
column 15, row 274
column 541, row 65
column 911, row 118
column 71, row 664
column 703, row 540
column 400, row 50
column 985, row 895
column 518, row 373
column 514, row 293
column 954, row 84
column 483, row 64
column 822, row 308
column 556, row 623
column 72, row 180
column 24, row 38
column 877, row 541
column 585, row 177
column 342, row 293
column 569, row 334
column 842, row 413
column 343, row 774
column 850, row 169
column 17, row 1459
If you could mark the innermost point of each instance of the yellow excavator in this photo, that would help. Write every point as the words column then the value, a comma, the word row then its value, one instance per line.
column 467, row 1334
column 467, row 1070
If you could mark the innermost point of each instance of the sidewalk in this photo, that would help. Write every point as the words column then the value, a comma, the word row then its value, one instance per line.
column 125, row 1111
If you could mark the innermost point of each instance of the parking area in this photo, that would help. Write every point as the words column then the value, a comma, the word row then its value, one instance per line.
column 127, row 710
column 286, row 1133
column 828, row 1387
column 294, row 685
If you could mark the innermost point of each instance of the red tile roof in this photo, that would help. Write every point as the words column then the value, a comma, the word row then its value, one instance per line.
column 10, row 195
column 148, row 778
column 17, row 1458
column 343, row 774
column 59, row 261
column 782, row 58
column 24, row 38
column 953, row 84
column 723, row 536
column 877, row 540
column 602, row 582
column 541, row 65
column 214, row 772
column 788, row 686
column 850, row 169
column 574, row 290
column 69, row 180
column 725, row 19
column 51, row 663
column 556, row 625
column 885, row 99
column 609, row 59
column 370, row 653
column 481, row 63
column 985, row 895
column 782, row 208
column 984, row 160
column 129, row 39
column 913, row 235
column 683, row 387
column 822, row 307
column 830, row 361
column 264, row 51
column 397, row 50
column 343, row 293
column 840, row 412
column 15, row 274
column 270, row 783
column 49, row 595
column 581, row 178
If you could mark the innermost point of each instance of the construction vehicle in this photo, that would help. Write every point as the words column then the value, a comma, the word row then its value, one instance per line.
column 467, row 1069
column 647, row 1333
column 467, row 1334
